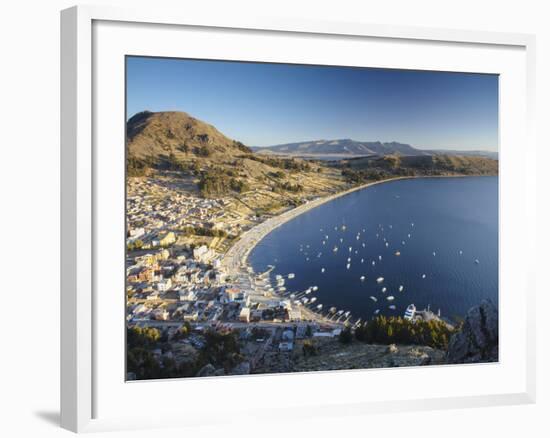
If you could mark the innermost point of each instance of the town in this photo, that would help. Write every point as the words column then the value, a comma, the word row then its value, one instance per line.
column 177, row 278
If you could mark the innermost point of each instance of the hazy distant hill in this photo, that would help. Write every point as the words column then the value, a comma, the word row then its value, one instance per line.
column 342, row 146
column 358, row 148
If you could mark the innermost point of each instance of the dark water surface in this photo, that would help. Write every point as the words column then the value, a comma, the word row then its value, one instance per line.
column 442, row 215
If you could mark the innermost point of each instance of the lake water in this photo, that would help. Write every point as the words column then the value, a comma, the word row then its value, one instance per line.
column 455, row 218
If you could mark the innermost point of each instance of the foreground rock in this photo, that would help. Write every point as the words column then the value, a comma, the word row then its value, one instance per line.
column 478, row 339
column 330, row 354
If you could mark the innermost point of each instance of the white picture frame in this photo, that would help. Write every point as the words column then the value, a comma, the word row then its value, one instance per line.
column 84, row 178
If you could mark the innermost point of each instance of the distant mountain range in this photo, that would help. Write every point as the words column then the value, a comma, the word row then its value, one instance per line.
column 349, row 147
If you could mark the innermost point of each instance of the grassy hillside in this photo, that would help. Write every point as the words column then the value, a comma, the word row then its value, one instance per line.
column 430, row 165
column 176, row 145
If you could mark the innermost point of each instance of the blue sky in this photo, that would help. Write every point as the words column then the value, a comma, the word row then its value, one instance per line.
column 268, row 104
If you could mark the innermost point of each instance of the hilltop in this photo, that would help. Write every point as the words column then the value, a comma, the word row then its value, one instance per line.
column 158, row 136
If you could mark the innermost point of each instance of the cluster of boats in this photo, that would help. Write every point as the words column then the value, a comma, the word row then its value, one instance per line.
column 303, row 298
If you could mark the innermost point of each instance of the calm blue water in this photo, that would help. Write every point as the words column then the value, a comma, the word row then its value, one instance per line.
column 442, row 215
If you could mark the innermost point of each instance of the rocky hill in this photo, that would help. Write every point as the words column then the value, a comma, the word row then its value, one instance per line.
column 478, row 339
column 158, row 136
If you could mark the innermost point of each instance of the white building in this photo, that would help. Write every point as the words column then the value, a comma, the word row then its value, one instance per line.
column 164, row 285
column 244, row 316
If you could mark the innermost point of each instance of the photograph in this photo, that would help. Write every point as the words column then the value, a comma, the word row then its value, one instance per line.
column 291, row 218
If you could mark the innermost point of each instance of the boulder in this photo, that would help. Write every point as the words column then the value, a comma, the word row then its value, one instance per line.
column 219, row 372
column 242, row 368
column 206, row 371
column 478, row 339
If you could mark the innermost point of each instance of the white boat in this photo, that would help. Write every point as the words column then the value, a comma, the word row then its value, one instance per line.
column 348, row 313
column 423, row 275
column 384, row 290
column 373, row 263
column 392, row 307
column 340, row 312
column 410, row 312
column 476, row 261
column 377, row 311
column 281, row 289
column 401, row 288
column 319, row 307
column 390, row 298
column 402, row 242
column 362, row 278
column 350, row 248
column 387, row 244
column 348, row 266
column 433, row 253
column 335, row 249
column 343, row 228
column 373, row 298
column 278, row 277
column 313, row 300
column 460, row 252
column 380, row 280
column 323, row 242
column 314, row 288
column 341, row 239
column 291, row 275
column 363, row 245
column 409, row 236
column 349, row 259
column 362, row 260
column 332, row 310
column 322, row 269
column 379, row 257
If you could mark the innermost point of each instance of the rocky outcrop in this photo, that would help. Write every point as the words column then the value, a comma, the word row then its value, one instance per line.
column 242, row 368
column 478, row 339
column 206, row 371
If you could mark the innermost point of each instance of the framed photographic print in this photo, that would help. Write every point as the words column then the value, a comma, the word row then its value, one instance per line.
column 256, row 208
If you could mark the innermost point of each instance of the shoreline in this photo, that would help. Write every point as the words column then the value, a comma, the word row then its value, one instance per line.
column 235, row 258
